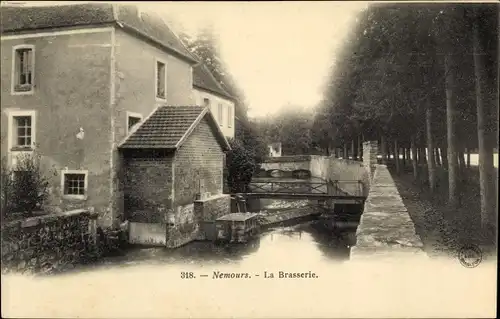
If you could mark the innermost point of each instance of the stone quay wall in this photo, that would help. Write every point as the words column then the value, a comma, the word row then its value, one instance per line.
column 385, row 228
column 49, row 242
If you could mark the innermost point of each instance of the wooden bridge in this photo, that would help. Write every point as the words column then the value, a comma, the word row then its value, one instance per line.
column 337, row 191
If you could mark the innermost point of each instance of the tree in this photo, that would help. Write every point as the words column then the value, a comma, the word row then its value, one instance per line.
column 485, row 101
column 241, row 166
column 25, row 187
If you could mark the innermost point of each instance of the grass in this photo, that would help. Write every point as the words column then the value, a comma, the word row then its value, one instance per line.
column 444, row 229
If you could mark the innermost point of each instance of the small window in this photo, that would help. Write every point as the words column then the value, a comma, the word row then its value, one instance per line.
column 132, row 120
column 75, row 184
column 206, row 102
column 220, row 114
column 23, row 69
column 161, row 85
column 229, row 116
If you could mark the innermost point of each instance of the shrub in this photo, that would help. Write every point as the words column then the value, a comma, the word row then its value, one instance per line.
column 241, row 165
column 25, row 188
column 7, row 189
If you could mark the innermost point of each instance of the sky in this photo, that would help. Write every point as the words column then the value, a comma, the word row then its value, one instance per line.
column 278, row 52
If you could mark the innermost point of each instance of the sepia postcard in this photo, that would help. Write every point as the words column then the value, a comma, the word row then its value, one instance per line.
column 267, row 159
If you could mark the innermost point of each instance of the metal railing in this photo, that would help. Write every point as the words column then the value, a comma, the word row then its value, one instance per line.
column 333, row 187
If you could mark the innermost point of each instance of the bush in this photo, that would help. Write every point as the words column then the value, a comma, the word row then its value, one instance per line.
column 241, row 165
column 25, row 188
column 7, row 189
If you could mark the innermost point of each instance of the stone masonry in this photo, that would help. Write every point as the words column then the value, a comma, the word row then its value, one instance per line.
column 385, row 228
column 370, row 151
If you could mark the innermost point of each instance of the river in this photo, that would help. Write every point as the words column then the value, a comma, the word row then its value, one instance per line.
column 192, row 281
column 306, row 238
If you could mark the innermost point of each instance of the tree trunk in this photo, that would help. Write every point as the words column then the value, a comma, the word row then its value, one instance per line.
column 396, row 156
column 360, row 152
column 388, row 150
column 486, row 168
column 467, row 164
column 354, row 147
column 437, row 155
column 345, row 155
column 430, row 149
column 453, row 195
column 444, row 156
column 408, row 154
column 384, row 150
column 403, row 152
column 414, row 157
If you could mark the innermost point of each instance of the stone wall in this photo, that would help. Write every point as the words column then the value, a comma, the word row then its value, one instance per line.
column 182, row 226
column 208, row 210
column 49, row 242
column 198, row 165
column 147, row 186
column 385, row 228
column 347, row 172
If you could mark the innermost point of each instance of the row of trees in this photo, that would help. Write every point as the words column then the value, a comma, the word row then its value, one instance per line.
column 420, row 78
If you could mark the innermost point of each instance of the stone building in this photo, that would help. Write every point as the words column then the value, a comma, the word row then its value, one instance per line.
column 77, row 80
column 174, row 175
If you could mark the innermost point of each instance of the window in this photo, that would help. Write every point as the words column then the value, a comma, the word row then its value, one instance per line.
column 21, row 130
column 229, row 116
column 74, row 184
column 206, row 102
column 161, row 84
column 23, row 66
column 132, row 120
column 220, row 114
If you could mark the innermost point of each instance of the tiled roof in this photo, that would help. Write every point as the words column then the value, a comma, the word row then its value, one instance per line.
column 169, row 126
column 203, row 78
column 17, row 19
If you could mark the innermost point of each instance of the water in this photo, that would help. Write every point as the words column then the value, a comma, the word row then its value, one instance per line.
column 300, row 240
column 305, row 237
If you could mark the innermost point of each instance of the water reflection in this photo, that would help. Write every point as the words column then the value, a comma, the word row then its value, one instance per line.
column 305, row 242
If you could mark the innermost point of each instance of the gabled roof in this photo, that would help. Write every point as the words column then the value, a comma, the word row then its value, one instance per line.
column 204, row 79
column 127, row 17
column 168, row 127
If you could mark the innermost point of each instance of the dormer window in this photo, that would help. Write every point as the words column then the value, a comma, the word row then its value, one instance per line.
column 23, row 69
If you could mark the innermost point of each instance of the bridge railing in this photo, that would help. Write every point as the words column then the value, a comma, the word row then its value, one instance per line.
column 332, row 187
column 289, row 187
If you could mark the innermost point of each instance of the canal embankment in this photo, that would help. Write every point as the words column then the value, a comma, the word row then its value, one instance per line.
column 386, row 228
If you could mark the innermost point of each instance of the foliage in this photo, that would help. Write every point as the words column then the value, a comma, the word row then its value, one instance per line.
column 392, row 69
column 25, row 187
column 241, row 165
column 292, row 127
column 7, row 202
